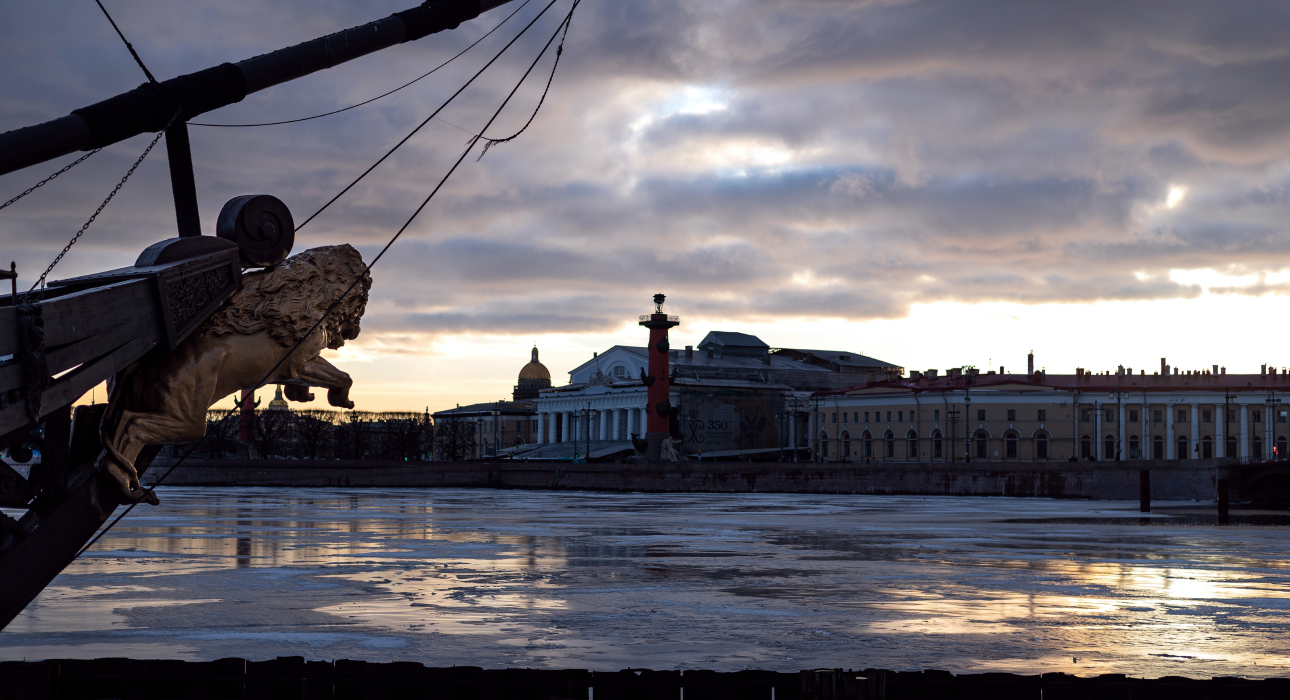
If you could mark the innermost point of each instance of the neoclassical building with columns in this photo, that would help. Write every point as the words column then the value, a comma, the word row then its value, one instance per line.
column 995, row 416
column 734, row 394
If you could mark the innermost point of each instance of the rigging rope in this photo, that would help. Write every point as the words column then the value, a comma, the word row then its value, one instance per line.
column 427, row 119
column 128, row 45
column 564, row 26
column 556, row 64
column 98, row 211
column 40, row 184
column 387, row 94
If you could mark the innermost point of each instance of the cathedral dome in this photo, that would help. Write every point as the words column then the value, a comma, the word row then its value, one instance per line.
column 535, row 369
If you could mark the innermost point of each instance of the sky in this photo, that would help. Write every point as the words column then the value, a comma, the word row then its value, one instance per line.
column 934, row 184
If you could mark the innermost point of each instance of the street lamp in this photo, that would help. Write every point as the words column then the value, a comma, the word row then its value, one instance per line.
column 586, row 431
column 967, row 427
column 497, row 416
column 779, row 428
column 1271, row 435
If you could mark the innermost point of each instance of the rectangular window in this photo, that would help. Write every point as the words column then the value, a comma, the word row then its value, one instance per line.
column 1157, row 416
column 835, row 418
column 866, row 416
column 980, row 414
column 888, row 416
column 1012, row 415
column 1281, row 416
column 844, row 416
column 1258, row 416
column 1133, row 416
column 1182, row 415
column 1043, row 415
column 900, row 416
column 1231, row 417
column 936, row 415
column 855, row 417
column 1086, row 415
column 1207, row 416
column 1109, row 415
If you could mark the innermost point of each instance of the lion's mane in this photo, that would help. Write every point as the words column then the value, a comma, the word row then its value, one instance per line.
column 287, row 300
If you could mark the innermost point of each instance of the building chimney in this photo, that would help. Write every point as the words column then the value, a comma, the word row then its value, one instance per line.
column 915, row 375
column 1222, row 370
column 1175, row 371
column 1001, row 369
column 931, row 373
column 689, row 352
column 1119, row 371
column 955, row 372
column 1215, row 369
column 1263, row 370
column 1030, row 363
column 1164, row 368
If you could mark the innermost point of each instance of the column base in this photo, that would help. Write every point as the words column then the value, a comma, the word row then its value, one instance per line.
column 654, row 445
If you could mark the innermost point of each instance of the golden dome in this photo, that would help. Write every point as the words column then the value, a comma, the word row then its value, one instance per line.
column 535, row 369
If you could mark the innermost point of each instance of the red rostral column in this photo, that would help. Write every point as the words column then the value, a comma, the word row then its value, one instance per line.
column 658, row 407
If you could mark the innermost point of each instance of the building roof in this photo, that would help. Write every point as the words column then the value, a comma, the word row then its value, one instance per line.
column 535, row 369
column 1085, row 382
column 728, row 339
column 844, row 358
column 486, row 409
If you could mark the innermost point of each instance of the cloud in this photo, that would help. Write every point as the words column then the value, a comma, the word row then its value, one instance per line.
column 752, row 158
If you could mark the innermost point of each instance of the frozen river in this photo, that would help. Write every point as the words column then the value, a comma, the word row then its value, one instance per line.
column 720, row 581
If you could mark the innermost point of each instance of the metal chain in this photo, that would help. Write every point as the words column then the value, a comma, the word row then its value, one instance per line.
column 98, row 211
column 40, row 184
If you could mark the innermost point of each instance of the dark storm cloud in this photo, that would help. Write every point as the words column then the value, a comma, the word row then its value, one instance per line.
column 763, row 158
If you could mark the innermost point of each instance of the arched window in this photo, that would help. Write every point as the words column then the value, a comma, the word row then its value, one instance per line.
column 1157, row 447
column 912, row 437
column 982, row 440
column 824, row 445
column 1108, row 447
column 1257, row 452
column 938, row 452
column 1086, row 447
column 888, row 445
column 1281, row 447
column 619, row 371
column 1041, row 446
column 1232, row 450
column 1010, row 444
column 1135, row 447
column 867, row 444
column 1183, row 451
column 845, row 437
column 1207, row 447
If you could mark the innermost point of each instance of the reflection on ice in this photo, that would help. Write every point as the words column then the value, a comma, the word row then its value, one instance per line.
column 608, row 581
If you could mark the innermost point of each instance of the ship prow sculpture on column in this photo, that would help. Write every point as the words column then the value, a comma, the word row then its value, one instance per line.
column 164, row 397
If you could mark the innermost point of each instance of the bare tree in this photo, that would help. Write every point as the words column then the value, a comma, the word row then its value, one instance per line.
column 269, row 428
column 454, row 439
column 314, row 433
column 408, row 435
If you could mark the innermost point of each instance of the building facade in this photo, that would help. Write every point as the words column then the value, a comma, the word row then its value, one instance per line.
column 734, row 393
column 990, row 416
column 486, row 430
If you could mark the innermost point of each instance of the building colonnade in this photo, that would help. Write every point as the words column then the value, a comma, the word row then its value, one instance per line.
column 599, row 424
column 991, row 425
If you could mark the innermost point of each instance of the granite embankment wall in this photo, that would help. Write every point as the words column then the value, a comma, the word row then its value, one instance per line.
column 1170, row 480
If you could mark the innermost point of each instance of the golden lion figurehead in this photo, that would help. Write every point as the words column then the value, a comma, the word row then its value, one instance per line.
column 287, row 300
